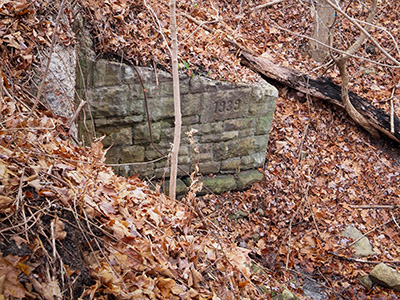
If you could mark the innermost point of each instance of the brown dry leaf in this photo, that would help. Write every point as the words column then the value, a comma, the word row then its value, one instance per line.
column 59, row 227
column 5, row 201
column 165, row 285
column 9, row 272
column 239, row 258
column 51, row 290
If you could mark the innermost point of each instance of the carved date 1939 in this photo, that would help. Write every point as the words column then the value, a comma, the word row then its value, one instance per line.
column 227, row 106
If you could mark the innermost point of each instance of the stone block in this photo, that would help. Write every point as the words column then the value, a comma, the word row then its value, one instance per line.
column 238, row 124
column 115, row 135
column 223, row 105
column 200, row 84
column 113, row 155
column 107, row 73
column 234, row 148
column 162, row 171
column 261, row 142
column 180, row 187
column 191, row 104
column 161, row 108
column 246, row 133
column 254, row 160
column 132, row 154
column 209, row 128
column 115, row 101
column 190, row 120
column 231, row 165
column 118, row 121
column 247, row 178
column 264, row 124
column 183, row 160
column 209, row 167
column 144, row 170
column 218, row 184
column 263, row 98
column 141, row 133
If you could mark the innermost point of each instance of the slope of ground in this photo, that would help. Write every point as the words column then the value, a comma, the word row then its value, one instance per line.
column 71, row 228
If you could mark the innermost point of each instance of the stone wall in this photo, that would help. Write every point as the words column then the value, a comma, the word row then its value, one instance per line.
column 232, row 123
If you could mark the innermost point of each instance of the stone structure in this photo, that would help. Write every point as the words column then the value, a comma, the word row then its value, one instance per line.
column 232, row 123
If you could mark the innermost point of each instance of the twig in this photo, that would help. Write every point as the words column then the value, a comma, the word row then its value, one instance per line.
column 302, row 143
column 78, row 110
column 375, row 206
column 363, row 260
column 395, row 221
column 392, row 112
column 268, row 4
column 365, row 234
column 53, row 41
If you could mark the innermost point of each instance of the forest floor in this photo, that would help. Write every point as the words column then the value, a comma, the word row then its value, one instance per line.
column 72, row 228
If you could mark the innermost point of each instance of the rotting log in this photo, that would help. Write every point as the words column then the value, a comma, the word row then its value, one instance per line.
column 324, row 89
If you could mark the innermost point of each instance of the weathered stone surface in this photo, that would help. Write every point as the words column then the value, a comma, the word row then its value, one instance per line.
column 252, row 161
column 219, row 184
column 214, row 128
column 246, row 132
column 209, row 167
column 132, row 154
column 114, row 101
column 386, row 276
column 232, row 121
column 191, row 104
column 162, row 107
column 141, row 132
column 107, row 73
column 113, row 155
column 115, row 135
column 234, row 148
column 180, row 187
column 363, row 246
column 229, row 165
column 247, row 178
column 365, row 281
column 118, row 121
column 238, row 124
column 264, row 124
column 288, row 295
column 223, row 105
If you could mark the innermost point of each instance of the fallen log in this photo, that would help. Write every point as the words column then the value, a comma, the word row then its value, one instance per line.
column 325, row 89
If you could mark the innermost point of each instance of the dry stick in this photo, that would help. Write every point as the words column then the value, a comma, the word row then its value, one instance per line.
column 395, row 221
column 368, row 232
column 268, row 4
column 89, row 106
column 375, row 206
column 363, row 260
column 392, row 112
column 53, row 41
column 77, row 111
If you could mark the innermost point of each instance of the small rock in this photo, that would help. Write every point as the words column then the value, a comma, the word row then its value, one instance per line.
column 314, row 290
column 288, row 295
column 363, row 246
column 365, row 281
column 386, row 276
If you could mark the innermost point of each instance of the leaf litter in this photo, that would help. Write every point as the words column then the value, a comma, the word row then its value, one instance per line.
column 73, row 229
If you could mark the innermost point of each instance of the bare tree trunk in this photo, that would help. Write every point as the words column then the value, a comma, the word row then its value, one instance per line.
column 323, row 16
column 177, row 102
